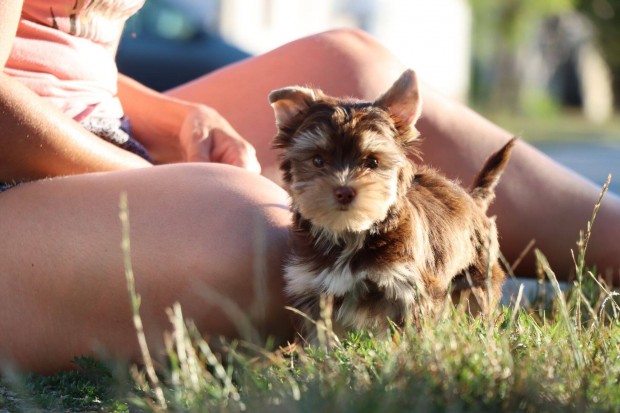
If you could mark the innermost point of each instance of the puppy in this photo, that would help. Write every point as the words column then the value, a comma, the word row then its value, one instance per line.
column 387, row 239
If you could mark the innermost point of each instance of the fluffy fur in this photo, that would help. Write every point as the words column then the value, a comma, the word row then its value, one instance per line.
column 386, row 238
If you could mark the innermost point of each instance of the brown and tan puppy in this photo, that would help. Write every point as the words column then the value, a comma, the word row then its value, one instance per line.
column 386, row 238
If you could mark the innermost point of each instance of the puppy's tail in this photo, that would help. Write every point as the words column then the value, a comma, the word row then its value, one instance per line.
column 483, row 188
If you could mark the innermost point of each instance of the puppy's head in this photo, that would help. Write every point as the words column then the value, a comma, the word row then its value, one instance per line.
column 345, row 161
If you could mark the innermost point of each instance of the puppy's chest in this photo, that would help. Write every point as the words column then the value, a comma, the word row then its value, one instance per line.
column 350, row 269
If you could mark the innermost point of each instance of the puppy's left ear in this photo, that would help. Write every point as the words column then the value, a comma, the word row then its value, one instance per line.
column 289, row 102
column 403, row 99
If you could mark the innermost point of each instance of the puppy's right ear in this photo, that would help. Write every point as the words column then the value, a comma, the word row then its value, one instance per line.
column 289, row 102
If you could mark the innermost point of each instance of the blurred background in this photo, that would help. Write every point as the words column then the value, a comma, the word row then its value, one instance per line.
column 546, row 70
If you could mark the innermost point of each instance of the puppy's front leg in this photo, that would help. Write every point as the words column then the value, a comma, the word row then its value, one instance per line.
column 478, row 291
column 317, row 324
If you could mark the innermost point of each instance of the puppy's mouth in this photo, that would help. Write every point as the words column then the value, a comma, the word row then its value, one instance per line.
column 352, row 207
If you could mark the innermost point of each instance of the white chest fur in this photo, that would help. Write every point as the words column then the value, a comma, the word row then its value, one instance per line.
column 338, row 280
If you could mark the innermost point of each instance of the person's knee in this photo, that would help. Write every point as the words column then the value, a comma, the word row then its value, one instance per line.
column 235, row 204
column 222, row 237
column 363, row 66
column 349, row 37
column 253, row 224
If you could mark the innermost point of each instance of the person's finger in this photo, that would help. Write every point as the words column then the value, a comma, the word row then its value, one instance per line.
column 251, row 163
column 234, row 150
column 245, row 157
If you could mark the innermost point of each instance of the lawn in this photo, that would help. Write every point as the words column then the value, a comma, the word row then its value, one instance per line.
column 559, row 355
column 566, row 126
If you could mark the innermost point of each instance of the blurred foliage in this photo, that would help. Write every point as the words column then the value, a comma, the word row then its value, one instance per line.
column 605, row 14
column 503, row 29
column 509, row 23
column 500, row 29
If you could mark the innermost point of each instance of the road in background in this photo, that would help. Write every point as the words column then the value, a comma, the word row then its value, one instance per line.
column 594, row 160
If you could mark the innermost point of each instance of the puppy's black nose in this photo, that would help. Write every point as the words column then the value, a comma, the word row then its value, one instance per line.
column 344, row 194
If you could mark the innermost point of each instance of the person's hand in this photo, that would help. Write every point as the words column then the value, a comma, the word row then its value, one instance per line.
column 206, row 136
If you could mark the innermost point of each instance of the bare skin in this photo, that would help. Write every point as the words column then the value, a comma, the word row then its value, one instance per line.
column 537, row 198
column 64, row 293
column 197, row 227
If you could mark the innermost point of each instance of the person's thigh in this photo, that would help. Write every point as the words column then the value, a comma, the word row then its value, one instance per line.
column 532, row 192
column 340, row 62
column 198, row 232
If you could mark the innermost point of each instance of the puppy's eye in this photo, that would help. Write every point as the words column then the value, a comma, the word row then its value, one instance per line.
column 318, row 161
column 371, row 163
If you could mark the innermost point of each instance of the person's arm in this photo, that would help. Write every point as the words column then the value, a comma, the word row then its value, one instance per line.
column 36, row 139
column 174, row 130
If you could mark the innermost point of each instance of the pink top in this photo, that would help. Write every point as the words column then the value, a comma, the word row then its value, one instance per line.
column 65, row 49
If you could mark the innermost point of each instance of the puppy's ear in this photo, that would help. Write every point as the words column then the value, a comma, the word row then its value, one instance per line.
column 287, row 103
column 403, row 99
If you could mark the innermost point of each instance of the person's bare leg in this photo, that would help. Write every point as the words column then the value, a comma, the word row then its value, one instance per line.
column 195, row 229
column 537, row 198
column 341, row 62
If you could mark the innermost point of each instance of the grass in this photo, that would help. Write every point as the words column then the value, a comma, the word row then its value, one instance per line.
column 551, row 356
column 564, row 126
column 90, row 387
